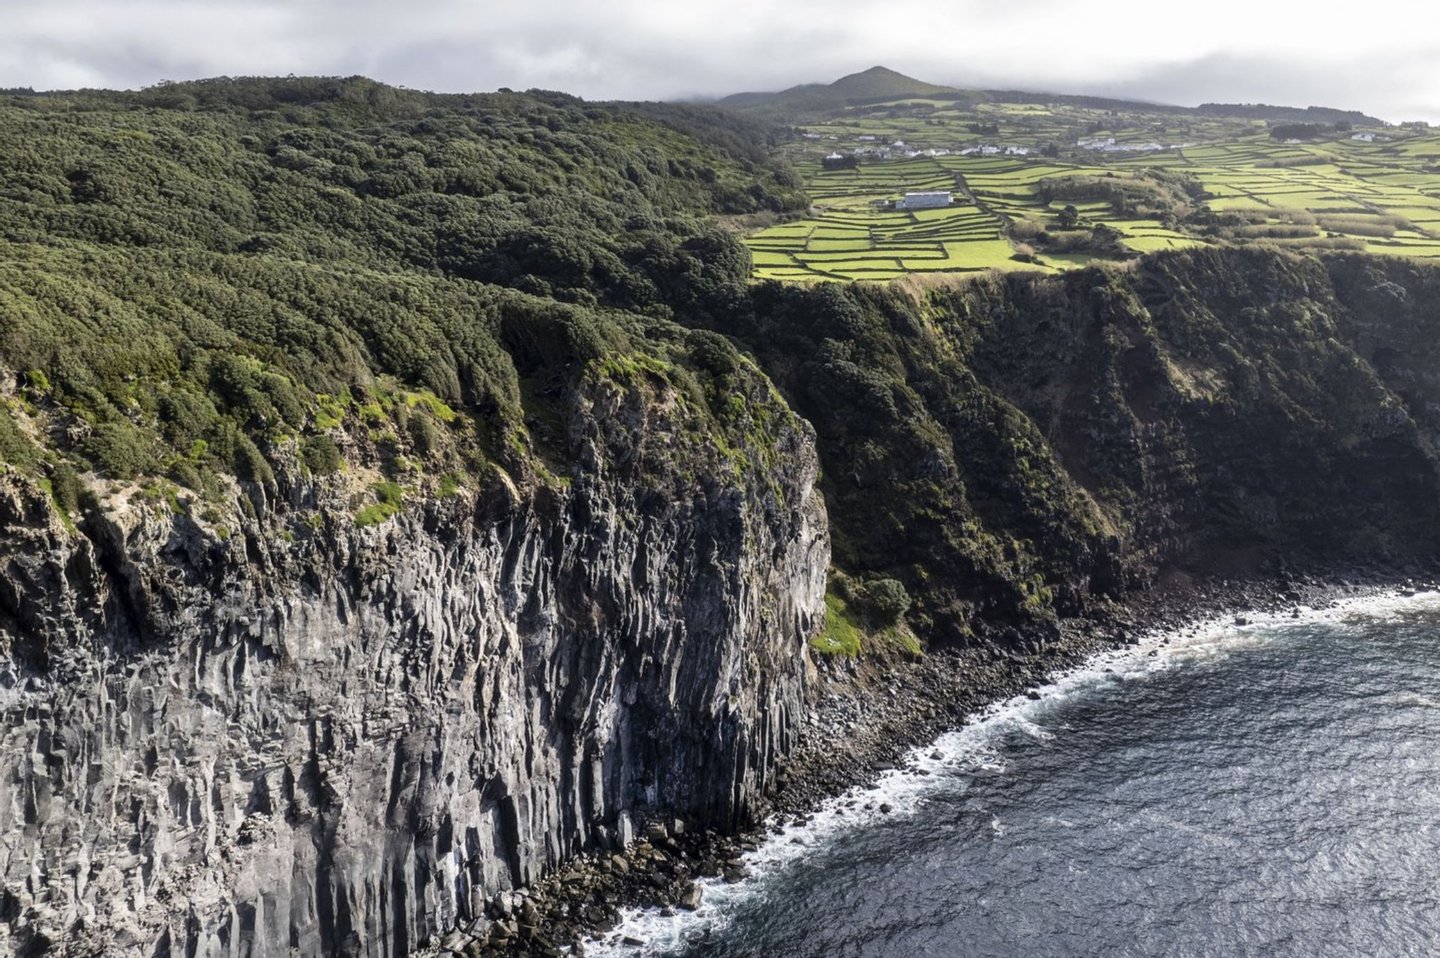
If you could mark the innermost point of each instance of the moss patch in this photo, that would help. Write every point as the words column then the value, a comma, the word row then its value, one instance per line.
column 389, row 497
column 840, row 635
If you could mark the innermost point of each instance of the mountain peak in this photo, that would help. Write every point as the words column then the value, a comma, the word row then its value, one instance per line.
column 883, row 81
column 876, row 83
column 878, row 71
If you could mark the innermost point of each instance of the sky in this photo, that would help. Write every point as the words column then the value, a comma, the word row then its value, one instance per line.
column 1381, row 56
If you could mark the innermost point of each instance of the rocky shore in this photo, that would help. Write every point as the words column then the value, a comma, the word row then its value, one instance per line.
column 866, row 714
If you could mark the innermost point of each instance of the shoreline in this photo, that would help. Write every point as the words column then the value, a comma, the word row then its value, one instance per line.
column 866, row 717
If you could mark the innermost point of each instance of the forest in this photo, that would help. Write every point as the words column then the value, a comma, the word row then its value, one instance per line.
column 196, row 276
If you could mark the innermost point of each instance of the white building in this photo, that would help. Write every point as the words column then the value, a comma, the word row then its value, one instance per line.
column 930, row 200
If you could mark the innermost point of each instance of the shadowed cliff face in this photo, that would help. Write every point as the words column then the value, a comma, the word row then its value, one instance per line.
column 237, row 744
column 1010, row 448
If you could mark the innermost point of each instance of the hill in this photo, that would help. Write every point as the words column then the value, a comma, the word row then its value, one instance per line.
column 880, row 85
column 876, row 84
column 1291, row 114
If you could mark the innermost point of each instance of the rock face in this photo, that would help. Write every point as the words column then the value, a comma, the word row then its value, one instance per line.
column 307, row 737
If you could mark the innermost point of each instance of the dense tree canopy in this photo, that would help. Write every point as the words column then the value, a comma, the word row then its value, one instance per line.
column 191, row 273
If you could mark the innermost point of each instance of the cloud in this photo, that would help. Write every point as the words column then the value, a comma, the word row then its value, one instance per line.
column 1225, row 50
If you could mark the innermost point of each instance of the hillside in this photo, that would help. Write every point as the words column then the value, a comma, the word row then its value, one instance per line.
column 875, row 84
column 252, row 247
column 879, row 85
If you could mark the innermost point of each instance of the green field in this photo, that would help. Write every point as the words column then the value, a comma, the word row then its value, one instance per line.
column 1219, row 181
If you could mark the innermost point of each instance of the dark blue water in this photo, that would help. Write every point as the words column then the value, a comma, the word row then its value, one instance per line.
column 1269, row 791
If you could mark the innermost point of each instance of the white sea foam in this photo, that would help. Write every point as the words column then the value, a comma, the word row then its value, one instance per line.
column 974, row 748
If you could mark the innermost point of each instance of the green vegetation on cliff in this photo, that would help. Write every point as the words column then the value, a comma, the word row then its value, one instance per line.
column 262, row 279
column 1010, row 447
column 200, row 278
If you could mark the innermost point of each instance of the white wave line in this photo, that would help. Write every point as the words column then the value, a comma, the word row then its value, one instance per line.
column 974, row 747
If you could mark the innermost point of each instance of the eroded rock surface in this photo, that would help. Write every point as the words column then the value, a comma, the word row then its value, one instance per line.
column 302, row 736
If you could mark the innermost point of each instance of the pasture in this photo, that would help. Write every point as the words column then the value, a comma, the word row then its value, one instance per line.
column 851, row 238
column 1222, row 181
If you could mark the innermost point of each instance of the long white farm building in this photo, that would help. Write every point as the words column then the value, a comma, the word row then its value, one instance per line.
column 932, row 200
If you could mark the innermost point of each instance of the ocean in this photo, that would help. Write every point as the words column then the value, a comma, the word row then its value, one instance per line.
column 1272, row 789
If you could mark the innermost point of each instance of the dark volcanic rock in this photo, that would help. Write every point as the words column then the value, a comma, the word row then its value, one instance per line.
column 241, row 744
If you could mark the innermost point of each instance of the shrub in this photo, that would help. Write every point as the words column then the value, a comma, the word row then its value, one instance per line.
column 389, row 497
column 119, row 450
column 66, row 487
column 188, row 475
column 321, row 456
column 37, row 383
column 248, row 463
column 15, row 449
column 185, row 416
column 884, row 600
column 424, row 434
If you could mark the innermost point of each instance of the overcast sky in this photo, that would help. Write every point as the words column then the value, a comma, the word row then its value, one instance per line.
column 1381, row 56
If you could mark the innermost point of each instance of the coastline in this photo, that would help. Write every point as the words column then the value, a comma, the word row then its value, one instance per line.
column 866, row 719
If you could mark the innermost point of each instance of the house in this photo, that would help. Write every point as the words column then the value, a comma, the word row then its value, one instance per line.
column 929, row 200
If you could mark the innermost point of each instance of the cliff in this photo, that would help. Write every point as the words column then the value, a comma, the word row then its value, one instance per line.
column 1013, row 449
column 259, row 720
column 291, row 734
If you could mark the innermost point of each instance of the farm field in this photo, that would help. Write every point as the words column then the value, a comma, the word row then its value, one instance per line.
column 851, row 238
column 1221, row 180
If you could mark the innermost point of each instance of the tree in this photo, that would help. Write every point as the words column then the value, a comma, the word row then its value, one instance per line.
column 1068, row 218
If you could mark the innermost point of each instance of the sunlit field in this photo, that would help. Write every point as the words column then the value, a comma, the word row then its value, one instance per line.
column 1220, row 181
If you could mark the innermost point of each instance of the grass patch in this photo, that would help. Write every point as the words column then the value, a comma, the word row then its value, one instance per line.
column 437, row 407
column 840, row 635
column 389, row 497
